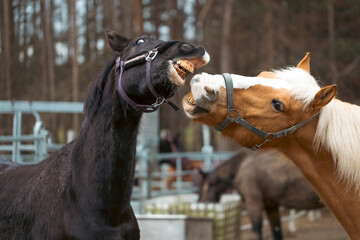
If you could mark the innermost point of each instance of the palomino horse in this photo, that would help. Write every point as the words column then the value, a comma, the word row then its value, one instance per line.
column 83, row 190
column 287, row 110
column 264, row 180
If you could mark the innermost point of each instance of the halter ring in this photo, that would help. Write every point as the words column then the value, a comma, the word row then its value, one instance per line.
column 152, row 54
column 158, row 102
column 233, row 115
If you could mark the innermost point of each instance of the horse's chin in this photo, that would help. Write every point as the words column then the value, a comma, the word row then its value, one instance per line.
column 191, row 109
column 175, row 77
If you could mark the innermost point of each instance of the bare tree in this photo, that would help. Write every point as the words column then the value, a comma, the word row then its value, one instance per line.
column 267, row 42
column 90, row 31
column 126, row 7
column 7, row 48
column 175, row 19
column 331, row 30
column 109, row 15
column 138, row 10
column 225, row 53
column 75, row 67
column 48, row 65
column 155, row 16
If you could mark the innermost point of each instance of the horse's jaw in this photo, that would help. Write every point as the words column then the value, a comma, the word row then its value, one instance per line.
column 178, row 69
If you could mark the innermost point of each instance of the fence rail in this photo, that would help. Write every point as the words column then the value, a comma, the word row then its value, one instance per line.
column 39, row 106
column 148, row 173
column 41, row 137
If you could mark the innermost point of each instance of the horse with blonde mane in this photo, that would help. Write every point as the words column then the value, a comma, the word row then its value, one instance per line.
column 287, row 110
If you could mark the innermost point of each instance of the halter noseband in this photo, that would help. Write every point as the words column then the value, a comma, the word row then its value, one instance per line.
column 147, row 57
column 234, row 116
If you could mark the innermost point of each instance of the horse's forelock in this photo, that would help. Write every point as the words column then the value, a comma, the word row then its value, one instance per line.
column 303, row 86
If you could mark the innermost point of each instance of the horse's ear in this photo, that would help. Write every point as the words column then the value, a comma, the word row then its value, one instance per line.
column 324, row 96
column 304, row 64
column 116, row 42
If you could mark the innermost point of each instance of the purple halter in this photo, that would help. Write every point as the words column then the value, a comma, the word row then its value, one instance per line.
column 148, row 56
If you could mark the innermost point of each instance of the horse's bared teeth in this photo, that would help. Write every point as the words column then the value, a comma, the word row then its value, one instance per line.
column 190, row 99
column 189, row 66
column 181, row 72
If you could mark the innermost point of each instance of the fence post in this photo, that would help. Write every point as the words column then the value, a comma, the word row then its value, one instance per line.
column 145, row 186
column 179, row 184
column 16, row 134
column 292, row 221
column 207, row 149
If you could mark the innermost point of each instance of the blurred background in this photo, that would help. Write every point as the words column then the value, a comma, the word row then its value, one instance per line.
column 51, row 50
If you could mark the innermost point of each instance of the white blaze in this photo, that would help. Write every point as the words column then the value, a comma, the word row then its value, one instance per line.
column 200, row 81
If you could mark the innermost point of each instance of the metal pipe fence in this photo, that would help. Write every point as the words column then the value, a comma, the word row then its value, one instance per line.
column 41, row 138
column 149, row 175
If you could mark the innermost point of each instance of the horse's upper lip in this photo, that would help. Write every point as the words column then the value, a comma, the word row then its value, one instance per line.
column 180, row 67
column 184, row 66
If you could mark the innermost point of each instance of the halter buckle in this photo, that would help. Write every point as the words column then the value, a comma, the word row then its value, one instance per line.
column 117, row 61
column 158, row 102
column 258, row 146
column 152, row 54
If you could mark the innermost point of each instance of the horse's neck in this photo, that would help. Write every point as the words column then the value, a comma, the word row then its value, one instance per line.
column 104, row 160
column 319, row 168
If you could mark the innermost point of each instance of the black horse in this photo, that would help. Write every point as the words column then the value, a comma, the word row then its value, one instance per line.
column 83, row 190
column 264, row 180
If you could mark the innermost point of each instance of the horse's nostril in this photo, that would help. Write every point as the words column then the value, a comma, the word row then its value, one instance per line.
column 195, row 79
column 186, row 47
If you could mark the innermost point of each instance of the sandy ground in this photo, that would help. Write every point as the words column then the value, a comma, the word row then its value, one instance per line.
column 325, row 228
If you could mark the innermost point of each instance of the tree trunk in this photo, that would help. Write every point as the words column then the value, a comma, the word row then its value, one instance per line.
column 225, row 54
column 44, row 55
column 138, row 10
column 7, row 49
column 47, row 54
column 267, row 38
column 201, row 14
column 75, row 67
column 109, row 15
column 155, row 16
column 90, row 28
column 176, row 18
column 51, row 52
column 127, row 18
column 331, row 29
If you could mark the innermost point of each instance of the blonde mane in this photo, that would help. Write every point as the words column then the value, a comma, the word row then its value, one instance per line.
column 338, row 129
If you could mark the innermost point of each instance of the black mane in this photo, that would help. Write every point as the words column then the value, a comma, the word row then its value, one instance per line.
column 95, row 92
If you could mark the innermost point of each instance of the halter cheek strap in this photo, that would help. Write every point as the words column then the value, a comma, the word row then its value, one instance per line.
column 148, row 56
column 234, row 116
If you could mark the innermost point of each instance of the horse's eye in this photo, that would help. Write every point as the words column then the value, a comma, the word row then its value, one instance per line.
column 140, row 41
column 277, row 105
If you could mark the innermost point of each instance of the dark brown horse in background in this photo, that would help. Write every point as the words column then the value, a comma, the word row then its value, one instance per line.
column 264, row 180
column 83, row 190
